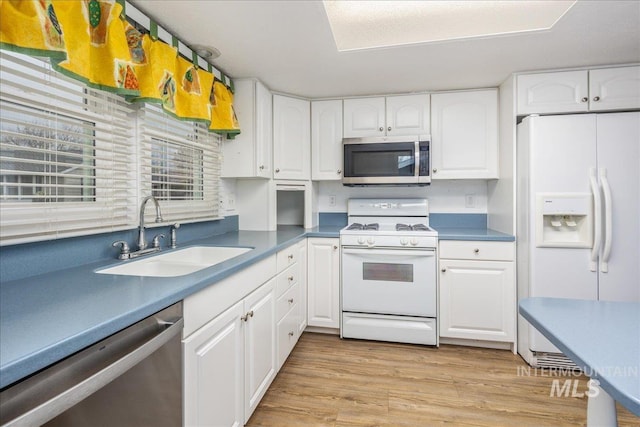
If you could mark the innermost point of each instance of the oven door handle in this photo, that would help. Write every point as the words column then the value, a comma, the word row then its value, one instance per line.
column 390, row 252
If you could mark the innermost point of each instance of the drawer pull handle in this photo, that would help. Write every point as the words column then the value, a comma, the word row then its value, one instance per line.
column 585, row 99
column 444, row 270
column 596, row 98
column 290, row 300
column 290, row 278
column 291, row 333
column 476, row 250
column 290, row 256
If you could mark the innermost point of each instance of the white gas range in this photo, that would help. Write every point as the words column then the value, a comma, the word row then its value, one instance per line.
column 389, row 276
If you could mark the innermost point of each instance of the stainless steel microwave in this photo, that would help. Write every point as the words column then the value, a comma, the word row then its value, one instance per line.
column 397, row 160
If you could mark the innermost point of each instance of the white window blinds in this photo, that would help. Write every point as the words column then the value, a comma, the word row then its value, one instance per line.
column 65, row 155
column 180, row 166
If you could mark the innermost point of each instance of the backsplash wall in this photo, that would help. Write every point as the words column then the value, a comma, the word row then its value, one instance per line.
column 451, row 196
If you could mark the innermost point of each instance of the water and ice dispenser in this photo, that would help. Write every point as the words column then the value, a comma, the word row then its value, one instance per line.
column 564, row 220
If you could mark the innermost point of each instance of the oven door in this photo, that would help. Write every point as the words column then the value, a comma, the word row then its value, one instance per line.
column 389, row 281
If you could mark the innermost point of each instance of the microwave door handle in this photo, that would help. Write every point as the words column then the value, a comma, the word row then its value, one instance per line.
column 416, row 153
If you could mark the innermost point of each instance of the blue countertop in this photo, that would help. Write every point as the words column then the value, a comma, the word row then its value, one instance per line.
column 603, row 337
column 48, row 317
column 480, row 233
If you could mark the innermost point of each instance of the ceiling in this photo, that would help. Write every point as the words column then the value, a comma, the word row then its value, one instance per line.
column 289, row 46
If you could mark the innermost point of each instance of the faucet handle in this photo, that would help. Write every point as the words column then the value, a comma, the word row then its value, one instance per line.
column 156, row 240
column 124, row 251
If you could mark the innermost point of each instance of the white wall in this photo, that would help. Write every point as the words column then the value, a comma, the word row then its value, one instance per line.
column 501, row 214
column 449, row 196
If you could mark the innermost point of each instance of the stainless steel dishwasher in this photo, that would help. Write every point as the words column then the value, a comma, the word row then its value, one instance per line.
column 132, row 378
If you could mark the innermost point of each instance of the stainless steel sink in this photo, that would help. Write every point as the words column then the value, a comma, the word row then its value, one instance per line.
column 176, row 263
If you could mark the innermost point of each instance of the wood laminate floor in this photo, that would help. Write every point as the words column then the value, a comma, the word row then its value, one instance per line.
column 332, row 382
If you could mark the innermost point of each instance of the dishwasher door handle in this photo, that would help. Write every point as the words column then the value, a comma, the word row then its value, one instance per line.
column 76, row 393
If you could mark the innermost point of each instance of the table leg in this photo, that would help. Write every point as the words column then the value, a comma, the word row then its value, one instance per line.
column 601, row 408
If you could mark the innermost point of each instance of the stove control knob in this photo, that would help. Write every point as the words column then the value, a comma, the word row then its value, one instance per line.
column 361, row 240
column 403, row 241
column 370, row 241
column 414, row 241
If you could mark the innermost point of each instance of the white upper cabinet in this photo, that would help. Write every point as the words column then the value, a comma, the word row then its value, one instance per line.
column 464, row 142
column 614, row 88
column 579, row 91
column 326, row 140
column 291, row 138
column 364, row 117
column 408, row 115
column 249, row 154
column 564, row 91
column 393, row 115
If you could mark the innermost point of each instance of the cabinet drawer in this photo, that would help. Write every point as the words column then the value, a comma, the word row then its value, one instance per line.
column 287, row 334
column 287, row 301
column 287, row 257
column 480, row 250
column 287, row 278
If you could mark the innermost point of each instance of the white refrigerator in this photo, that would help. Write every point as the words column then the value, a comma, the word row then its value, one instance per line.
column 578, row 214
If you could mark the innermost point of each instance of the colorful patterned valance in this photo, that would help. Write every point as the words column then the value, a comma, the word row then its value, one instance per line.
column 90, row 40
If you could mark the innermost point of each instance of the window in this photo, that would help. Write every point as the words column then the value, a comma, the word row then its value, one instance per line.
column 71, row 162
column 65, row 155
column 46, row 157
column 179, row 165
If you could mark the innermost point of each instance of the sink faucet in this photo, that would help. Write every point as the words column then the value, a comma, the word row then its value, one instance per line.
column 142, row 244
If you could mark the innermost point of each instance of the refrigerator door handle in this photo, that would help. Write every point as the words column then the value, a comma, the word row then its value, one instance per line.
column 608, row 226
column 597, row 221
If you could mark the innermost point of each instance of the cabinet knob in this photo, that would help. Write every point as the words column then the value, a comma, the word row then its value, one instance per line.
column 596, row 98
column 277, row 170
column 389, row 129
column 290, row 278
column 585, row 99
column 261, row 167
column 381, row 129
column 291, row 333
column 476, row 250
column 335, row 247
column 290, row 256
column 290, row 300
column 339, row 171
column 244, row 318
column 444, row 270
column 435, row 170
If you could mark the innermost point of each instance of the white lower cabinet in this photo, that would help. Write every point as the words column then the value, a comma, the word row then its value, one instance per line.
column 230, row 362
column 260, row 364
column 477, row 291
column 323, row 282
column 214, row 372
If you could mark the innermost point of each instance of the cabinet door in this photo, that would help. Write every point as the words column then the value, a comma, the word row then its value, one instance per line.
column 260, row 344
column 326, row 140
column 560, row 92
column 477, row 300
column 408, row 115
column 249, row 154
column 614, row 89
column 465, row 135
column 364, row 117
column 291, row 138
column 213, row 372
column 323, row 282
column 263, row 124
